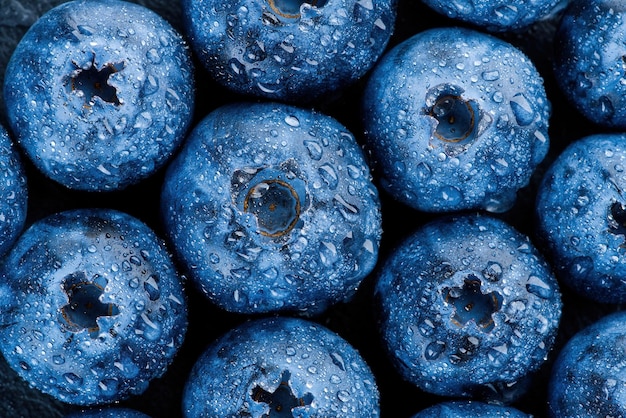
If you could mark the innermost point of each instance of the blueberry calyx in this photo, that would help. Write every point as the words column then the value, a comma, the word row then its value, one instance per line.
column 84, row 306
column 471, row 304
column 617, row 220
column 282, row 400
column 93, row 82
column 290, row 9
column 455, row 118
column 276, row 206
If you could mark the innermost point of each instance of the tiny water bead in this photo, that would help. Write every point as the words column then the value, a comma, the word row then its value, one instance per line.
column 276, row 206
column 470, row 304
column 93, row 82
column 281, row 401
column 455, row 118
column 290, row 9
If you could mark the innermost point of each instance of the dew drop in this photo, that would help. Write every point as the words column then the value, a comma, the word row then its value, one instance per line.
column 328, row 174
column 538, row 287
column 314, row 148
column 522, row 109
column 343, row 395
column 292, row 121
column 434, row 350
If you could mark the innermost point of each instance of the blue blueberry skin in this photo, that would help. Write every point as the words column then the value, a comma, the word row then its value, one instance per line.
column 92, row 307
column 467, row 305
column 280, row 367
column 589, row 59
column 288, row 50
column 271, row 208
column 588, row 377
column 99, row 93
column 465, row 409
column 455, row 119
column 108, row 413
column 581, row 212
column 13, row 193
column 495, row 15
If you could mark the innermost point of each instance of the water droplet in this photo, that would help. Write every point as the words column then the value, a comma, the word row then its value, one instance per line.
column 343, row 395
column 153, row 56
column 58, row 359
column 143, row 120
column 92, row 248
column 491, row 75
column 328, row 253
column 151, row 286
column 314, row 148
column 605, row 106
column 423, row 171
column 292, row 121
column 451, row 194
column 522, row 109
column 328, row 174
column 73, row 379
column 334, row 379
column 538, row 287
column 337, row 360
column 108, row 387
column 434, row 350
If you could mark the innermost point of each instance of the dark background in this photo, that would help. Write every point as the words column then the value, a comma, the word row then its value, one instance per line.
column 354, row 321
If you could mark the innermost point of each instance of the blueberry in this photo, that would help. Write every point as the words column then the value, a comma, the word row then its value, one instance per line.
column 108, row 413
column 92, row 307
column 590, row 59
column 13, row 193
column 589, row 375
column 271, row 207
column 495, row 15
column 292, row 50
column 581, row 216
column 456, row 119
column 99, row 93
column 464, row 409
column 280, row 367
column 467, row 305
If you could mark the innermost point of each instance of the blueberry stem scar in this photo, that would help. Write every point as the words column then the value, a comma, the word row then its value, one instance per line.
column 282, row 400
column 275, row 204
column 470, row 304
column 455, row 118
column 84, row 307
column 94, row 82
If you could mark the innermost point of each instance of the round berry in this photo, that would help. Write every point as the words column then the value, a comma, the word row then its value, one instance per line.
column 13, row 193
column 92, row 307
column 281, row 367
column 467, row 306
column 99, row 94
column 590, row 59
column 271, row 207
column 589, row 374
column 581, row 212
column 456, row 119
column 291, row 50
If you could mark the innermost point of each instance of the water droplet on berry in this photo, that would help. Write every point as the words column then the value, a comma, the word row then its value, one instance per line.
column 292, row 121
column 522, row 109
column 314, row 148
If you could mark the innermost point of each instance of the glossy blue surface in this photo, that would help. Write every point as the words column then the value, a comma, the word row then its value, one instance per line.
column 13, row 193
column 99, row 94
column 589, row 60
column 589, row 375
column 474, row 409
column 290, row 50
column 495, row 15
column 456, row 119
column 468, row 307
column 581, row 213
column 92, row 307
column 271, row 208
column 281, row 367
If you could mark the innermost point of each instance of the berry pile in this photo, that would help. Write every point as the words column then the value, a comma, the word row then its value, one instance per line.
column 325, row 208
